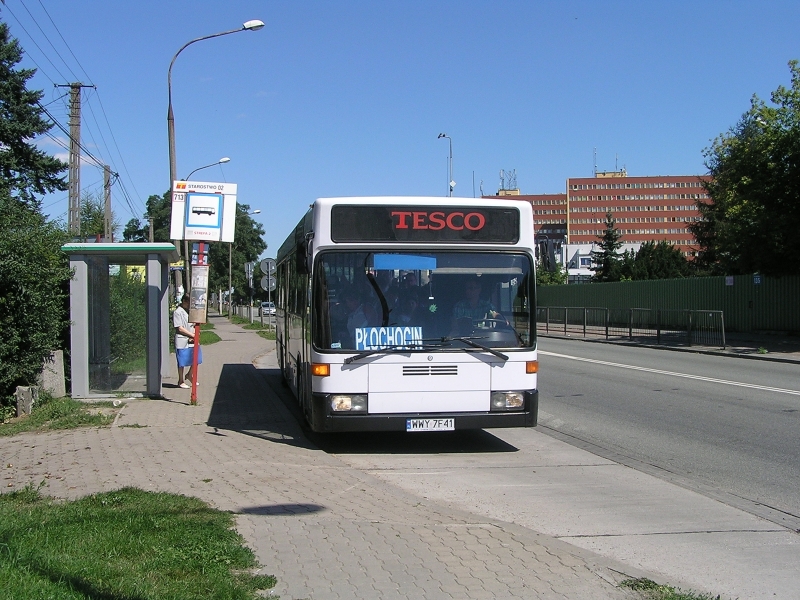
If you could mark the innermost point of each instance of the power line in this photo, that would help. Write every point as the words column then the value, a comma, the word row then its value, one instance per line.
column 46, row 37
column 132, row 202
column 65, row 42
column 97, row 161
column 114, row 139
column 35, row 44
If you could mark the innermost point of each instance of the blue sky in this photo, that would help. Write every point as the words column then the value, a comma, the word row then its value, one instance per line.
column 348, row 98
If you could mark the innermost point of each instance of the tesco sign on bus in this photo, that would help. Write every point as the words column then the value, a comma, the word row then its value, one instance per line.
column 436, row 220
column 387, row 223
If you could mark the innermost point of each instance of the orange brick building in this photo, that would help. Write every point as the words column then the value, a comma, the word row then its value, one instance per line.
column 645, row 208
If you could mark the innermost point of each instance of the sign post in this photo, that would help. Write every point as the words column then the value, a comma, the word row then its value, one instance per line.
column 203, row 211
column 268, row 283
column 198, row 304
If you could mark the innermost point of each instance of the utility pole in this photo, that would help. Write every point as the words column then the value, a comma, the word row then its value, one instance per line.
column 74, row 156
column 108, row 234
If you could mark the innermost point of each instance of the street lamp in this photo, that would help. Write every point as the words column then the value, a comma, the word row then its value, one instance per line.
column 450, row 183
column 253, row 25
column 230, row 258
column 221, row 161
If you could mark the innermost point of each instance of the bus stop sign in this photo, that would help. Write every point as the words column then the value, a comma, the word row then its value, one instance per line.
column 268, row 283
column 268, row 266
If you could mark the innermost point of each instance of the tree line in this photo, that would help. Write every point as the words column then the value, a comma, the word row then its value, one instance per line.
column 749, row 222
column 34, row 272
column 248, row 247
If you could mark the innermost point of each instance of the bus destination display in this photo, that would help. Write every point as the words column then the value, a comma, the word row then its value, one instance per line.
column 370, row 223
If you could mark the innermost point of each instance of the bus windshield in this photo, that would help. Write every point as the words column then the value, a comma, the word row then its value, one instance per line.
column 373, row 300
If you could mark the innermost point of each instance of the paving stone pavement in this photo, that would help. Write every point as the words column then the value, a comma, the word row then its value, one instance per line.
column 324, row 529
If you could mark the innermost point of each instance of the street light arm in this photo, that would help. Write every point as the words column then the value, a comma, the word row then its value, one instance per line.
column 248, row 26
column 214, row 164
column 253, row 25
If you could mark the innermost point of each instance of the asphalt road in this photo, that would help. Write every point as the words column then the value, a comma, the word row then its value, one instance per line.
column 723, row 426
column 722, row 429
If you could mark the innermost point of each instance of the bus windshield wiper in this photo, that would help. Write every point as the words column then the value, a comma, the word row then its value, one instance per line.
column 469, row 341
column 390, row 350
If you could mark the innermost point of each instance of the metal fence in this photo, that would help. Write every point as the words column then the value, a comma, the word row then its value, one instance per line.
column 752, row 303
column 645, row 325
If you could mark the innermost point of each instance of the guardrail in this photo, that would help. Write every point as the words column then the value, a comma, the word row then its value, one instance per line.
column 659, row 326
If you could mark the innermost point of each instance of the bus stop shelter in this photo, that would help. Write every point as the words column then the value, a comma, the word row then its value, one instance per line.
column 133, row 274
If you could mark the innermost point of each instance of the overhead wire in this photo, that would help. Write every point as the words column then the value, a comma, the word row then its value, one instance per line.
column 97, row 161
column 46, row 37
column 65, row 42
column 114, row 139
column 64, row 95
column 116, row 146
column 35, row 44
column 132, row 202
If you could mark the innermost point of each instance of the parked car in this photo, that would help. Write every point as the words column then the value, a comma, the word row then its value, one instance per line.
column 267, row 308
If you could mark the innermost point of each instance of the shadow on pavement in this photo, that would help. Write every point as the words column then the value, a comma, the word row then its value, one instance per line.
column 243, row 403
column 282, row 510
column 398, row 442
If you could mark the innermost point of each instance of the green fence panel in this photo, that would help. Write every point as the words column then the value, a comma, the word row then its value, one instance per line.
column 749, row 302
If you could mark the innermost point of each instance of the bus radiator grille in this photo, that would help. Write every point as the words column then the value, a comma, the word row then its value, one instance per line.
column 417, row 370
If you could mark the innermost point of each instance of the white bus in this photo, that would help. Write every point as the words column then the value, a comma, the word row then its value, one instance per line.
column 410, row 314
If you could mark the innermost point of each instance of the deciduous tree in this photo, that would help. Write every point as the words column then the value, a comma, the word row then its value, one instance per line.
column 751, row 222
column 655, row 261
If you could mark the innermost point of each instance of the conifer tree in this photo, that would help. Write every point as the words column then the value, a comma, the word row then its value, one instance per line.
column 26, row 172
column 34, row 273
column 606, row 261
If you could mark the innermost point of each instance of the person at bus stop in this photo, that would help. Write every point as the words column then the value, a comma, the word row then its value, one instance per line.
column 471, row 309
column 184, row 342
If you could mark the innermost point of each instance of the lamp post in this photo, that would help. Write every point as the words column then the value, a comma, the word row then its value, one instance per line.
column 253, row 25
column 230, row 259
column 221, row 161
column 450, row 183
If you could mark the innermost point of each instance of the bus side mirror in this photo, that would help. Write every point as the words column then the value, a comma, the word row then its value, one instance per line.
column 303, row 257
column 301, row 264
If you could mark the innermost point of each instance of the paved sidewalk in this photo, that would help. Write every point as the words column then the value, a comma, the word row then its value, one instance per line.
column 326, row 530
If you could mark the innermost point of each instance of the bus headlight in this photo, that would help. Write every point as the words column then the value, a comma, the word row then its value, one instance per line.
column 352, row 403
column 508, row 400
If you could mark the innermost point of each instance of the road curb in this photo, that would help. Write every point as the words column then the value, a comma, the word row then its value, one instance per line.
column 692, row 349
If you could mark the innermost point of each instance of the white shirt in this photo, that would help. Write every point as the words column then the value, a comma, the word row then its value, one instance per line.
column 180, row 318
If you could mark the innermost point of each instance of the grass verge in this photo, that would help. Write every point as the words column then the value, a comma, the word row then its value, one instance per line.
column 208, row 337
column 265, row 331
column 61, row 413
column 650, row 590
column 127, row 544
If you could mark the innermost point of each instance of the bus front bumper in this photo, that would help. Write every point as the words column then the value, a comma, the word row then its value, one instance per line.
column 326, row 421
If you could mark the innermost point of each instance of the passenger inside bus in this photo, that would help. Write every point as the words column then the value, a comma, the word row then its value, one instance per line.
column 359, row 313
column 410, row 311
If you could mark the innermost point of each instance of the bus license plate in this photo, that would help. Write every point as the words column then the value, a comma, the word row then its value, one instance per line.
column 430, row 424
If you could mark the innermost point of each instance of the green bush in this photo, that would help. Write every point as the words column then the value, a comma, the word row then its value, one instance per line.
column 127, row 294
column 34, row 284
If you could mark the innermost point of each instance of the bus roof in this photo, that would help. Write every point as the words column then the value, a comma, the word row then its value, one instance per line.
column 320, row 213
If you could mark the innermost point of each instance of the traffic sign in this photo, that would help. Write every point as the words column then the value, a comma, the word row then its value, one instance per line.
column 268, row 283
column 268, row 266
